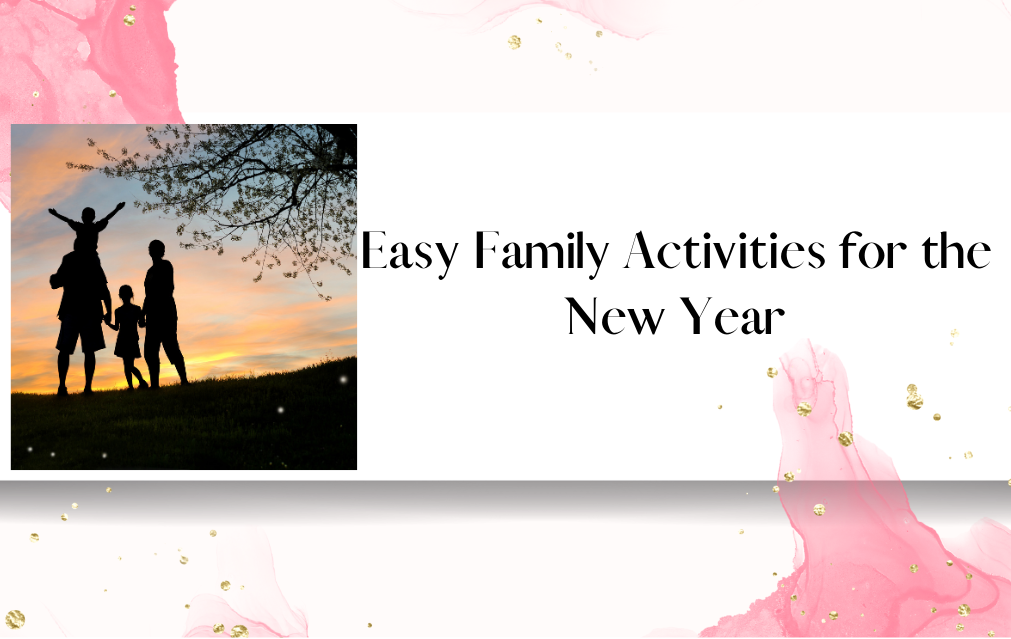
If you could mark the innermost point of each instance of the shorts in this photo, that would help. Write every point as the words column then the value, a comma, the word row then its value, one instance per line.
column 90, row 332
column 155, row 339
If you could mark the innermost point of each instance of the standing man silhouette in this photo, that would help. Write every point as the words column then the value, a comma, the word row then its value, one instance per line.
column 84, row 290
column 160, row 312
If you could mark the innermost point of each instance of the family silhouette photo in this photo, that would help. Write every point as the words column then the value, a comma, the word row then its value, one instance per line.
column 238, row 249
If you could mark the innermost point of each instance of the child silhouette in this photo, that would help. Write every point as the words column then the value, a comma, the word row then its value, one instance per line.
column 88, row 229
column 128, row 317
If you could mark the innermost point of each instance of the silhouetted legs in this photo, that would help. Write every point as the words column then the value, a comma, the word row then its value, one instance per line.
column 153, row 342
column 130, row 370
column 63, row 365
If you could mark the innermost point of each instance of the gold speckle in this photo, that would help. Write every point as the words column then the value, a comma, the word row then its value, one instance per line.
column 187, row 606
column 823, row 621
column 951, row 343
column 845, row 438
column 370, row 623
column 133, row 7
column 959, row 627
column 932, row 609
column 964, row 610
column 112, row 94
column 913, row 568
column 514, row 42
column 772, row 372
column 719, row 407
column 954, row 332
column 833, row 615
column 184, row 560
column 968, row 575
column 802, row 612
column 129, row 20
column 63, row 516
column 741, row 532
column 219, row 628
column 803, row 409
column 914, row 400
column 600, row 33
column 74, row 506
column 968, row 454
column 819, row 509
column 120, row 558
column 109, row 489
column 788, row 476
column 558, row 45
column 774, row 574
column 538, row 22
column 15, row 619
column 775, row 489
column 34, row 537
column 239, row 631
column 214, row 533
column 937, row 417
column 990, row 634
column 793, row 597
column 568, row 56
column 242, row 587
column 225, row 585
column 949, row 562
column 35, row 94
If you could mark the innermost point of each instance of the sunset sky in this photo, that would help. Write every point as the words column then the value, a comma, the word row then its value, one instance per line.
column 227, row 323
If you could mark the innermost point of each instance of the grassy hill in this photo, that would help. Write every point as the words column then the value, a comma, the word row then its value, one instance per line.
column 211, row 424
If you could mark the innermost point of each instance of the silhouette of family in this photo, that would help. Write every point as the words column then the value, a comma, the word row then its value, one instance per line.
column 86, row 289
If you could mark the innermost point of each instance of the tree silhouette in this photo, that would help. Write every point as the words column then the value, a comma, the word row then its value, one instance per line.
column 292, row 185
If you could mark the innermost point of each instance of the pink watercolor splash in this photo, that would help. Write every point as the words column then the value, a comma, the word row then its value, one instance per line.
column 855, row 559
column 245, row 559
column 628, row 18
column 73, row 52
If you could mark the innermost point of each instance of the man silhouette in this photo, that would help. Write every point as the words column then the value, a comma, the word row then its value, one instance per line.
column 84, row 290
column 160, row 313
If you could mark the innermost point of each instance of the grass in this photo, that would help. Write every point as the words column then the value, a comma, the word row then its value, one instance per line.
column 212, row 424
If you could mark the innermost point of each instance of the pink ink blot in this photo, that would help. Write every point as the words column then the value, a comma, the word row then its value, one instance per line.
column 254, row 599
column 627, row 18
column 856, row 558
column 73, row 53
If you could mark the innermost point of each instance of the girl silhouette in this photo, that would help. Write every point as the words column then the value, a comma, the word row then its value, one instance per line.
column 128, row 317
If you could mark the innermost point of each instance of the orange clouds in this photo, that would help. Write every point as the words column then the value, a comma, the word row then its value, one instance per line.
column 228, row 325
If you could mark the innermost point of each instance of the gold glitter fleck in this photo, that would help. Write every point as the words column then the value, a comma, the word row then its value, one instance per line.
column 741, row 532
column 600, row 33
column 538, row 22
column 184, row 560
column 558, row 45
column 802, row 612
column 112, row 94
column 833, row 615
column 719, row 407
column 35, row 94
column 968, row 454
column 803, row 409
column 120, row 558
column 225, row 585
column 242, row 587
column 793, row 597
column 187, row 606
column 949, row 562
column 951, row 343
column 74, row 506
column 932, row 609
column 219, row 628
column 968, row 575
column 913, row 568
column 514, row 42
column 15, row 619
column 959, row 627
column 964, row 610
column 133, row 7
column 63, row 516
column 819, row 509
column 788, row 476
column 823, row 621
column 109, row 489
column 990, row 634
column 954, row 332
column 129, row 20
column 937, row 417
column 772, row 372
column 774, row 574
column 914, row 400
column 239, row 631
column 34, row 537
column 775, row 489
column 568, row 56
column 370, row 624
column 845, row 438
column 214, row 533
